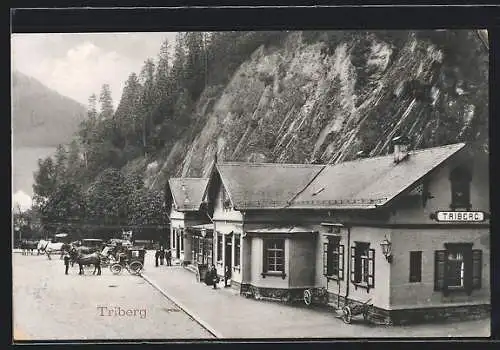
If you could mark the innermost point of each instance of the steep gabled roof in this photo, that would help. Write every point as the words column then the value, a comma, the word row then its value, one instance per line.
column 187, row 193
column 372, row 182
column 264, row 185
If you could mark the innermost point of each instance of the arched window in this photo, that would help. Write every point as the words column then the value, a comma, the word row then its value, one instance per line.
column 460, row 179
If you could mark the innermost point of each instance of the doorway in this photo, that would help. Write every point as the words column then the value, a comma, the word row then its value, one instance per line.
column 177, row 245
column 228, row 253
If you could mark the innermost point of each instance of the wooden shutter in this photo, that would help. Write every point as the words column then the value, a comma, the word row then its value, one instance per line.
column 440, row 270
column 353, row 264
column 325, row 259
column 477, row 265
column 341, row 262
column 371, row 268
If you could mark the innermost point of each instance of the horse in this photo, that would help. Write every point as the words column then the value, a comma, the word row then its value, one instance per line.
column 80, row 250
column 86, row 260
column 49, row 248
column 42, row 244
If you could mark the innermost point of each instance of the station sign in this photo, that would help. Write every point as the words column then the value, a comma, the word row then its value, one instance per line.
column 460, row 216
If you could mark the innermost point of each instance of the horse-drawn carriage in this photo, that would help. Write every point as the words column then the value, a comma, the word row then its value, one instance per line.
column 131, row 259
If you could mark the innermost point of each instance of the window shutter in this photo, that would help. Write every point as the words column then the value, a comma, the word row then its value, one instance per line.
column 341, row 262
column 477, row 265
column 439, row 265
column 353, row 264
column 371, row 268
column 325, row 259
column 264, row 256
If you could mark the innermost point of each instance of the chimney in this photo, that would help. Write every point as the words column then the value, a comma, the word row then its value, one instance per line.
column 401, row 147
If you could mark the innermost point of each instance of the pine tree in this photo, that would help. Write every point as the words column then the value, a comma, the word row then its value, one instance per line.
column 106, row 102
column 126, row 114
column 147, row 101
column 162, row 70
column 60, row 164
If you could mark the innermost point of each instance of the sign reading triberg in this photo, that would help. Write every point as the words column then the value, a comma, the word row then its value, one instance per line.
column 460, row 216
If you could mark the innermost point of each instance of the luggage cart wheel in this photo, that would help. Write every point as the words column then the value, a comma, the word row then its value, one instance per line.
column 346, row 314
column 307, row 297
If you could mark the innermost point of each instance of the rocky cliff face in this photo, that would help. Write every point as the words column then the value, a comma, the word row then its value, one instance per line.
column 322, row 101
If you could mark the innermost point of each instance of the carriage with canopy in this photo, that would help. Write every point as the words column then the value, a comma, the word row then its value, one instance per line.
column 129, row 258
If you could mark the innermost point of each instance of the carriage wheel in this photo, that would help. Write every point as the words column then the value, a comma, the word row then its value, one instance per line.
column 136, row 267
column 116, row 269
column 307, row 297
column 346, row 314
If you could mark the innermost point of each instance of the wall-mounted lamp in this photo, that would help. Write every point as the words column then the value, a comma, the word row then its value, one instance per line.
column 386, row 246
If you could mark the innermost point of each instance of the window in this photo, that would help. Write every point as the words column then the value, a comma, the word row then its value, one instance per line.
column 195, row 249
column 415, row 267
column 237, row 251
column 200, row 250
column 174, row 236
column 274, row 257
column 219, row 247
column 458, row 268
column 363, row 265
column 460, row 188
column 333, row 258
column 208, row 249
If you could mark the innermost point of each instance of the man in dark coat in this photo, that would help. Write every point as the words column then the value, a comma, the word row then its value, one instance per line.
column 66, row 262
column 215, row 278
column 157, row 256
column 169, row 257
column 162, row 255
column 227, row 275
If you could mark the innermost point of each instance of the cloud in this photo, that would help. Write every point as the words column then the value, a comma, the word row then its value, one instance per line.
column 22, row 200
column 77, row 65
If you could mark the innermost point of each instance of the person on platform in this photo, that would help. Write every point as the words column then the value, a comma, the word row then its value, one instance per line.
column 227, row 275
column 157, row 256
column 169, row 257
column 66, row 262
column 214, row 277
column 162, row 255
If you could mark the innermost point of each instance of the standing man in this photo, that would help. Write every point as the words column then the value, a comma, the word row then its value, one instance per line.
column 169, row 258
column 227, row 275
column 162, row 255
column 157, row 256
column 66, row 262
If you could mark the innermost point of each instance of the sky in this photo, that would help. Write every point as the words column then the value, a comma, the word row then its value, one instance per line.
column 77, row 65
column 22, row 200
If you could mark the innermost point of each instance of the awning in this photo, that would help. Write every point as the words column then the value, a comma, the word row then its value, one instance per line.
column 203, row 227
column 332, row 224
column 283, row 230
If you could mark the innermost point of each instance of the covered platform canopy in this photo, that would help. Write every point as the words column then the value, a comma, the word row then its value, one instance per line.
column 282, row 230
column 203, row 227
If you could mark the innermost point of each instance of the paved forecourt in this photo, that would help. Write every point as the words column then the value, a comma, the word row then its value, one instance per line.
column 230, row 315
column 48, row 305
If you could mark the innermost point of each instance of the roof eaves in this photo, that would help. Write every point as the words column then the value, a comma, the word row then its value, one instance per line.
column 172, row 192
column 225, row 186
